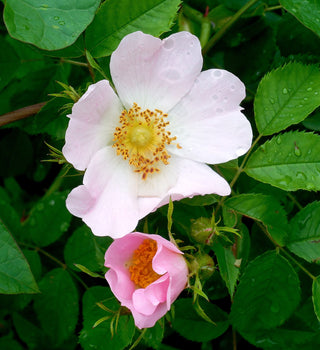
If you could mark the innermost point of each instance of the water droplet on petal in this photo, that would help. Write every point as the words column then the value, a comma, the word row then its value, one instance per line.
column 217, row 73
column 225, row 100
column 232, row 87
column 214, row 97
column 219, row 110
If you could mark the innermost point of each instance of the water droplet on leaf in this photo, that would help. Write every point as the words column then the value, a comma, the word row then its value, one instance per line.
column 285, row 91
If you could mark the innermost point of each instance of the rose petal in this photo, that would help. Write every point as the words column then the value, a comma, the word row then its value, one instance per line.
column 155, row 73
column 112, row 191
column 120, row 284
column 208, row 123
column 92, row 124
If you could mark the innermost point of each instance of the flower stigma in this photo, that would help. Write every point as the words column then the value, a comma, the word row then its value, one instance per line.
column 141, row 271
column 141, row 139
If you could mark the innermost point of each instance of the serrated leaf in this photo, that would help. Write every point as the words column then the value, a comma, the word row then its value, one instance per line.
column 50, row 26
column 263, row 208
column 150, row 16
column 228, row 270
column 306, row 11
column 96, row 338
column 286, row 96
column 57, row 307
column 86, row 249
column 191, row 326
column 290, row 161
column 304, row 236
column 267, row 295
column 48, row 219
column 316, row 296
column 15, row 274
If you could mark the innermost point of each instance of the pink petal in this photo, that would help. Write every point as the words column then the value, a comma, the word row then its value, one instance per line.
column 112, row 191
column 120, row 284
column 146, row 300
column 143, row 321
column 79, row 201
column 92, row 124
column 208, row 123
column 155, row 73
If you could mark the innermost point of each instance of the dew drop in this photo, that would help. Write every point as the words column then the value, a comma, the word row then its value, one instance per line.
column 225, row 100
column 271, row 100
column 309, row 89
column 301, row 176
column 62, row 23
column 232, row 87
column 217, row 73
column 52, row 202
column 191, row 43
column 56, row 18
column 168, row 44
column 285, row 91
column 297, row 151
column 188, row 53
column 306, row 98
column 219, row 110
column 278, row 140
column 309, row 186
column 316, row 92
column 214, row 97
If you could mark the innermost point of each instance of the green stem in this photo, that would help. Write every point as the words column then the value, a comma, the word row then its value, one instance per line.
column 55, row 184
column 138, row 339
column 302, row 268
column 239, row 171
column 294, row 200
column 227, row 25
column 272, row 8
column 76, row 63
column 298, row 264
column 53, row 258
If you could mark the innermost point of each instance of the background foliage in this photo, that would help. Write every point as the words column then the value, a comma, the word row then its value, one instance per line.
column 265, row 290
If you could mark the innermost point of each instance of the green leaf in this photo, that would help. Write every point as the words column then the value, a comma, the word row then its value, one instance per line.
column 8, row 62
column 29, row 333
column 150, row 16
column 267, row 295
column 306, row 11
column 9, row 344
column 263, row 208
column 153, row 336
column 96, row 338
column 15, row 273
column 286, row 96
column 191, row 326
column 48, row 26
column 48, row 219
column 316, row 296
column 304, row 236
column 57, row 307
column 86, row 249
column 290, row 161
column 226, row 262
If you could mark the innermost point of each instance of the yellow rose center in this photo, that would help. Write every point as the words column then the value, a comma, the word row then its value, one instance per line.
column 141, row 139
column 141, row 271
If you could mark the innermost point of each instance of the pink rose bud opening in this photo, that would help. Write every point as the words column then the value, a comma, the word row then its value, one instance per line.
column 147, row 273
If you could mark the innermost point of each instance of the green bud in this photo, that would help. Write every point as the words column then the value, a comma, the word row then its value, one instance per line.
column 203, row 264
column 202, row 231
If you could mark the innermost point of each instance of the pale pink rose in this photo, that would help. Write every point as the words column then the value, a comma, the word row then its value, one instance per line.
column 147, row 273
column 187, row 118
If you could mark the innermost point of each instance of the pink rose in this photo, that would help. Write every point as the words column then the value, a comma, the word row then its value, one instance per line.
column 147, row 273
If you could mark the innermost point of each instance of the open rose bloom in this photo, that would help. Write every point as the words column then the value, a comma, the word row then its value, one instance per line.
column 150, row 140
column 147, row 273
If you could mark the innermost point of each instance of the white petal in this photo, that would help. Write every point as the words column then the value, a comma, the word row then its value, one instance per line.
column 112, row 191
column 92, row 124
column 155, row 73
column 193, row 179
column 208, row 123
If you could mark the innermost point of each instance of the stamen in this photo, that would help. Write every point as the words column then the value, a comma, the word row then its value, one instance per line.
column 141, row 139
column 141, row 271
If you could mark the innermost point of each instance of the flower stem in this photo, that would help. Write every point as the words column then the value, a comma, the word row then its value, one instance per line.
column 76, row 63
column 227, row 25
column 294, row 200
column 272, row 8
